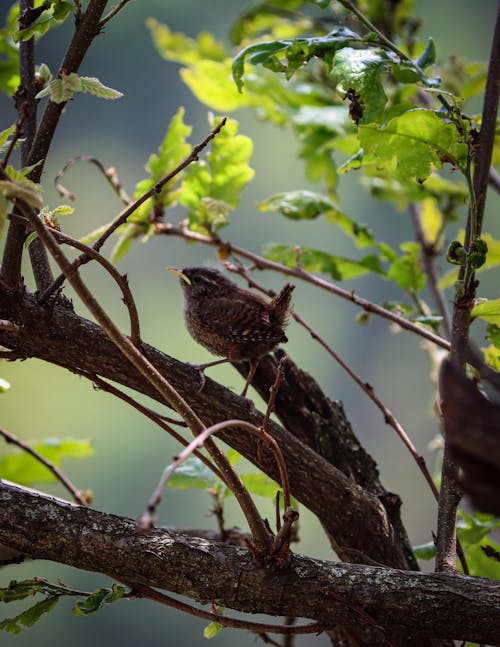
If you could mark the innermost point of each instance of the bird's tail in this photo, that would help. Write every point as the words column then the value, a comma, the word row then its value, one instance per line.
column 282, row 301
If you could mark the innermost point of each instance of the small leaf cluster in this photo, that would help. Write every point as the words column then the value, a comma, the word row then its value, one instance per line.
column 51, row 593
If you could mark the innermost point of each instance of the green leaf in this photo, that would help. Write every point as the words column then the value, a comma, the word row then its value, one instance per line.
column 180, row 48
column 260, row 484
column 474, row 531
column 51, row 17
column 425, row 551
column 492, row 352
column 307, row 205
column 432, row 219
column 63, row 89
column 212, row 84
column 4, row 385
column 488, row 310
column 30, row 616
column 313, row 260
column 192, row 474
column 411, row 144
column 127, row 234
column 95, row 87
column 357, row 75
column 19, row 187
column 22, row 468
column 493, row 334
column 406, row 271
column 5, row 135
column 212, row 630
column 288, row 55
column 98, row 599
column 9, row 52
column 212, row 187
column 171, row 152
column 428, row 56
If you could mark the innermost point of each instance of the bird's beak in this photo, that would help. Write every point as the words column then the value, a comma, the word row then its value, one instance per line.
column 180, row 274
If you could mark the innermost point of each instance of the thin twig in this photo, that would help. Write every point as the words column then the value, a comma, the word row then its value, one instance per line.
column 18, row 132
column 146, row 518
column 153, row 416
column 121, row 280
column 126, row 213
column 109, row 173
column 77, row 494
column 256, row 627
column 263, row 263
column 118, row 7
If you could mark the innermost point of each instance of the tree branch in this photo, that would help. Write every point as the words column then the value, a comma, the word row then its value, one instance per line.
column 56, row 334
column 450, row 492
column 410, row 607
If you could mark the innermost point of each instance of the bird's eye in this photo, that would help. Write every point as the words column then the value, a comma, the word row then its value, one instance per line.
column 196, row 279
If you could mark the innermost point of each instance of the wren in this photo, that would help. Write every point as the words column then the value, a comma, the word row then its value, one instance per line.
column 231, row 322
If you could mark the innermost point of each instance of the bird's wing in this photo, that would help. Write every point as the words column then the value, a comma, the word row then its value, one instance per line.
column 236, row 317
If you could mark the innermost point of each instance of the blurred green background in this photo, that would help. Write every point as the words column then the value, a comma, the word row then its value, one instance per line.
column 130, row 453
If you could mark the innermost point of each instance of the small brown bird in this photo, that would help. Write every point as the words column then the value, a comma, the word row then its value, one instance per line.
column 232, row 322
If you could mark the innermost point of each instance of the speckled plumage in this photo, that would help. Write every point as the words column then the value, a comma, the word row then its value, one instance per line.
column 229, row 321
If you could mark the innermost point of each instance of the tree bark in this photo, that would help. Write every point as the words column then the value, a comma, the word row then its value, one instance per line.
column 405, row 607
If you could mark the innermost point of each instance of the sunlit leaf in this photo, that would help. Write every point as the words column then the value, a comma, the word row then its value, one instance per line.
column 412, row 144
column 289, row 55
column 407, row 271
column 357, row 75
column 175, row 46
column 95, row 87
column 212, row 186
column 489, row 310
column 212, row 630
column 313, row 260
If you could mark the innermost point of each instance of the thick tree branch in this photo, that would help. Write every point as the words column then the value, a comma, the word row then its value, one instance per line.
column 55, row 334
column 409, row 607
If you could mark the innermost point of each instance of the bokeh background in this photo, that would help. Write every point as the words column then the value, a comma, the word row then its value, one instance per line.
column 130, row 452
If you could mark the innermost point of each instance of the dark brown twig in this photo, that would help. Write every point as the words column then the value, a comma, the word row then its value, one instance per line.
column 77, row 494
column 153, row 416
column 256, row 627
